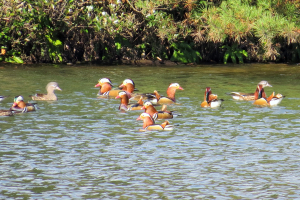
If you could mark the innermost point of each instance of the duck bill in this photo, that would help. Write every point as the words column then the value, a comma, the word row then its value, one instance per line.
column 142, row 108
column 180, row 88
column 139, row 118
column 58, row 88
column 121, row 86
column 97, row 85
column 117, row 97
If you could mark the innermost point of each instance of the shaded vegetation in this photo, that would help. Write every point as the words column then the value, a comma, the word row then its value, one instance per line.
column 186, row 31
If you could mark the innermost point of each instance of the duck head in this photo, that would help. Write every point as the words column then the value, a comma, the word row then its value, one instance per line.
column 172, row 89
column 264, row 84
column 18, row 99
column 175, row 86
column 52, row 86
column 147, row 119
column 207, row 93
column 147, row 104
column 102, row 81
column 19, row 102
column 124, row 100
column 128, row 85
column 123, row 96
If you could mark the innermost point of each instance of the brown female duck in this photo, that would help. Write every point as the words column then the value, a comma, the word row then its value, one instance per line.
column 50, row 96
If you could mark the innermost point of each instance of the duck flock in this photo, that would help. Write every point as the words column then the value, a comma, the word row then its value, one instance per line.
column 146, row 102
column 19, row 106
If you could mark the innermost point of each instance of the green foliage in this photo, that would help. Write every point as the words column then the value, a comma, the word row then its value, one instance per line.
column 54, row 48
column 11, row 56
column 63, row 31
column 105, row 55
column 17, row 60
column 238, row 21
column 184, row 53
column 234, row 52
column 11, row 59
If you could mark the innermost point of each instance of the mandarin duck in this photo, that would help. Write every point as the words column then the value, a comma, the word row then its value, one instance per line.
column 211, row 100
column 124, row 105
column 128, row 86
column 6, row 113
column 249, row 96
column 170, row 94
column 2, row 98
column 151, row 110
column 272, row 100
column 149, row 123
column 145, row 97
column 50, row 96
column 20, row 106
column 106, row 87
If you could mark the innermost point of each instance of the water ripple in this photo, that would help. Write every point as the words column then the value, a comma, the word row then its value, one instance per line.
column 82, row 147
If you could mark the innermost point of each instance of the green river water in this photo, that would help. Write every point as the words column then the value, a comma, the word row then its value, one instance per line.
column 82, row 147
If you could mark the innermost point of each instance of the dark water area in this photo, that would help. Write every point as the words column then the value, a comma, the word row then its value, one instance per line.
column 83, row 147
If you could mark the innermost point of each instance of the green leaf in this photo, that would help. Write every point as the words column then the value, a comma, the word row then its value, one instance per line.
column 175, row 46
column 240, row 57
column 198, row 54
column 226, row 56
column 190, row 55
column 183, row 45
column 118, row 48
column 118, row 45
column 165, row 55
column 143, row 46
column 233, row 59
column 57, row 43
column 244, row 52
column 59, row 57
column 49, row 38
column 18, row 60
column 179, row 57
column 8, row 59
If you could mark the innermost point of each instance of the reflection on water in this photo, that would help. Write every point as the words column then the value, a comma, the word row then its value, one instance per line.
column 82, row 147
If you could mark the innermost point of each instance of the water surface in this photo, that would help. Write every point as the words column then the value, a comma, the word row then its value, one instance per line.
column 82, row 147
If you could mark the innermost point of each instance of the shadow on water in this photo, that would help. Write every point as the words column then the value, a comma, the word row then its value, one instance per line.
column 82, row 147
